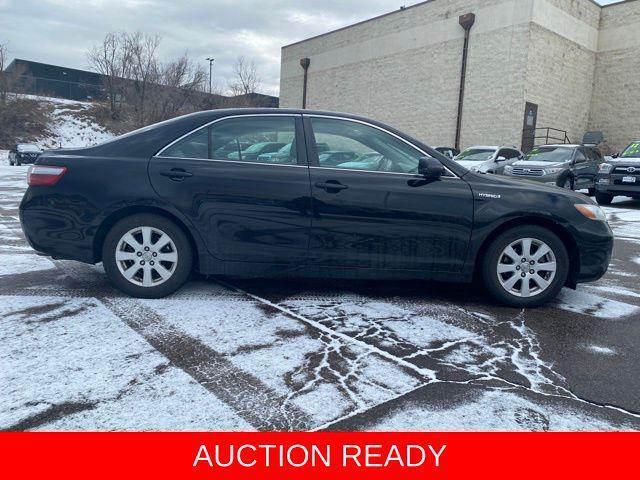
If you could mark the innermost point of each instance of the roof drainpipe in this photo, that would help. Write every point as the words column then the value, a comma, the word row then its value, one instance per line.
column 466, row 22
column 304, row 63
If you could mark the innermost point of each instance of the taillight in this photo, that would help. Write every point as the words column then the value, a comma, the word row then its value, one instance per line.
column 44, row 174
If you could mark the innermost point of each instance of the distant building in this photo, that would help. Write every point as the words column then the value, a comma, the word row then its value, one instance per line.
column 572, row 65
column 62, row 82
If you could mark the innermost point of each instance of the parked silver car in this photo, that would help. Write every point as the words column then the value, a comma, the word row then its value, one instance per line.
column 573, row 167
column 488, row 159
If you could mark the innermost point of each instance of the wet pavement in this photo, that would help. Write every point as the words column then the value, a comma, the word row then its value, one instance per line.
column 230, row 354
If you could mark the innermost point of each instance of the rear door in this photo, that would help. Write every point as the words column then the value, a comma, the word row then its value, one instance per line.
column 246, row 210
column 374, row 211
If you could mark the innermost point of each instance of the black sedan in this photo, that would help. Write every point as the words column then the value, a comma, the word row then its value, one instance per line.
column 22, row 153
column 156, row 203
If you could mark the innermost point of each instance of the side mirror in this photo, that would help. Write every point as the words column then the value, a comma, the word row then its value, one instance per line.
column 501, row 159
column 615, row 155
column 430, row 167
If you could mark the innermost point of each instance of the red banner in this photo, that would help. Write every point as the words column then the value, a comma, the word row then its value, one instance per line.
column 331, row 456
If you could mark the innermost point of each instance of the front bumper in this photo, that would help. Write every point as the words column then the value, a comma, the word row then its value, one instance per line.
column 614, row 184
column 551, row 179
column 595, row 244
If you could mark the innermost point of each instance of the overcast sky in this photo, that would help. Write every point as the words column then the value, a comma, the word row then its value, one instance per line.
column 60, row 31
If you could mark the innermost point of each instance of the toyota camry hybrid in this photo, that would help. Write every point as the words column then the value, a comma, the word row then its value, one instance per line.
column 159, row 202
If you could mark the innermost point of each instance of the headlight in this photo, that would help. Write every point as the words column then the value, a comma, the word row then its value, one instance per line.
column 592, row 212
column 605, row 168
column 550, row 171
column 508, row 169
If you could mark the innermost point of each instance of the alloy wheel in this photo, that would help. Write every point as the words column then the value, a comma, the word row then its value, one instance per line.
column 146, row 256
column 526, row 267
column 568, row 184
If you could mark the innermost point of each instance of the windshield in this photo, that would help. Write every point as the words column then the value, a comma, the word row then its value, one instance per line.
column 632, row 151
column 550, row 154
column 28, row 148
column 476, row 154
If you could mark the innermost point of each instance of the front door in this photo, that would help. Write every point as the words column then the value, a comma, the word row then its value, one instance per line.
column 375, row 211
column 529, row 127
column 248, row 206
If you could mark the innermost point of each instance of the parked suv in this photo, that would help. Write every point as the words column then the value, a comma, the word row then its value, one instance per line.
column 573, row 167
column 406, row 213
column 23, row 153
column 488, row 159
column 620, row 176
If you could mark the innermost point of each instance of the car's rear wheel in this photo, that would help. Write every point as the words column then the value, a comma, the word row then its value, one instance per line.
column 592, row 191
column 604, row 198
column 147, row 256
column 525, row 266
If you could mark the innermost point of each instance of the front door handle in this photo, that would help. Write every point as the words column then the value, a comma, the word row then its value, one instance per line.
column 331, row 186
column 176, row 174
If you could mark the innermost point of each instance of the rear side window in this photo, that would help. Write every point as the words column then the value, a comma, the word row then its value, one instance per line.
column 255, row 139
column 248, row 139
column 195, row 145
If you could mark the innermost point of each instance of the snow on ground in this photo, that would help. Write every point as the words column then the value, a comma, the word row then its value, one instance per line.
column 77, row 355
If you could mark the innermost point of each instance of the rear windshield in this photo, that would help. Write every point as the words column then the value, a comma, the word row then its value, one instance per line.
column 550, row 154
column 632, row 150
column 476, row 154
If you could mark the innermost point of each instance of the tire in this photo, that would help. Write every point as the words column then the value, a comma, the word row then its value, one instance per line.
column 592, row 191
column 566, row 182
column 18, row 162
column 604, row 198
column 512, row 268
column 161, row 269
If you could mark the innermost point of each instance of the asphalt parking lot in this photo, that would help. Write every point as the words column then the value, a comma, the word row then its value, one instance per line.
column 228, row 354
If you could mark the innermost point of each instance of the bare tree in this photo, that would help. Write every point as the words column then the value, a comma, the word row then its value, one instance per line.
column 144, row 70
column 112, row 59
column 4, row 54
column 178, row 89
column 246, row 79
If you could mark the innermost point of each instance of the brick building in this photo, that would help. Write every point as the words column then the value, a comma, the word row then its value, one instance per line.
column 571, row 65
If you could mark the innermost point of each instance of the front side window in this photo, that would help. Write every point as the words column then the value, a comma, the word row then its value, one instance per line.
column 355, row 146
column 247, row 139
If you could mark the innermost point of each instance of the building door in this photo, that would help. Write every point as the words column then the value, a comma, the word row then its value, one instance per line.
column 529, row 127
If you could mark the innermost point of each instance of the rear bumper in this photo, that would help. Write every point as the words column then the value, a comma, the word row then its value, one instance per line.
column 55, row 234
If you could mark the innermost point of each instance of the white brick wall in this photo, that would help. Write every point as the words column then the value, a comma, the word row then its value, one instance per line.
column 404, row 69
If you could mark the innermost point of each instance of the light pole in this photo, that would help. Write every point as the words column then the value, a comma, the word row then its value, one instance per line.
column 211, row 60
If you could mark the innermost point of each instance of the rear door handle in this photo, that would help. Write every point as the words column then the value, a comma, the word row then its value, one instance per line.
column 176, row 174
column 331, row 186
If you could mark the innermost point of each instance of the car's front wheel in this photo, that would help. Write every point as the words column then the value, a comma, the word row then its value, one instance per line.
column 525, row 266
column 147, row 256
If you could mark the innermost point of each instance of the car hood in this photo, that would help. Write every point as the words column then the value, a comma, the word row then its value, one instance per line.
column 633, row 161
column 471, row 164
column 534, row 164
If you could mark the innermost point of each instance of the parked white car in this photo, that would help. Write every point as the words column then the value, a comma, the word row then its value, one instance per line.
column 489, row 159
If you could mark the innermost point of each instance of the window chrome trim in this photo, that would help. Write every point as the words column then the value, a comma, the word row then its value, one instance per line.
column 412, row 175
column 353, row 120
column 231, row 161
column 206, row 125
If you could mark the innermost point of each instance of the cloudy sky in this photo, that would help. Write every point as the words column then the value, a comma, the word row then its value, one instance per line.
column 61, row 31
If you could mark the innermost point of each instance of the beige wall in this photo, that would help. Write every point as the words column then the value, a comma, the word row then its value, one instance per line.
column 615, row 107
column 404, row 68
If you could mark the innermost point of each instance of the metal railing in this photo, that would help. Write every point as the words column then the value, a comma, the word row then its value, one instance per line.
column 548, row 134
